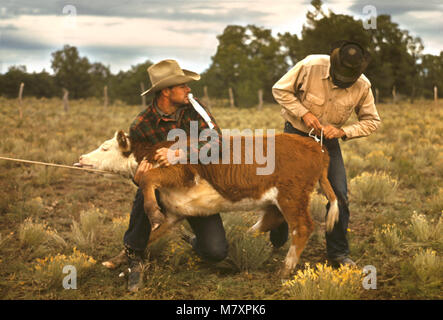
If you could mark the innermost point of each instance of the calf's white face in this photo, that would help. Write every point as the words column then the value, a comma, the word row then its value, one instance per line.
column 110, row 156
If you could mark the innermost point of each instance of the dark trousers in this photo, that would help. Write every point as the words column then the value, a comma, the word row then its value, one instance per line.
column 336, row 241
column 210, row 242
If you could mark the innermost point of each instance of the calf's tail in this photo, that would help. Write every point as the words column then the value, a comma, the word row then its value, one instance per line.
column 325, row 185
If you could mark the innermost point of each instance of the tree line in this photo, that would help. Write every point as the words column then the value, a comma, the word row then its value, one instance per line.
column 248, row 59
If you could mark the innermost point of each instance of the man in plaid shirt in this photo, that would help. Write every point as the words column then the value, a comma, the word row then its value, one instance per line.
column 170, row 109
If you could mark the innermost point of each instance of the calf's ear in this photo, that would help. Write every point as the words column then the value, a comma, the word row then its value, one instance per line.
column 123, row 141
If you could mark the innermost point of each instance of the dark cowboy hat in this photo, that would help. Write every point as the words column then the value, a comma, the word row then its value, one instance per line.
column 348, row 60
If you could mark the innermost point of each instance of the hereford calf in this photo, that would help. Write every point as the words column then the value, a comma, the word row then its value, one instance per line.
column 198, row 190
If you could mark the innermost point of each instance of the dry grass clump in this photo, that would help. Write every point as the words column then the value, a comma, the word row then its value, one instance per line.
column 25, row 207
column 428, row 266
column 435, row 202
column 423, row 154
column 424, row 230
column 318, row 207
column 377, row 160
column 176, row 253
column 4, row 240
column 439, row 163
column 354, row 164
column 119, row 226
column 159, row 248
column 389, row 237
column 373, row 188
column 84, row 231
column 247, row 251
column 325, row 283
column 34, row 234
column 46, row 176
column 49, row 271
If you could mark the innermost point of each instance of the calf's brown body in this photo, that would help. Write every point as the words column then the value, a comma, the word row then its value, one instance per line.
column 283, row 195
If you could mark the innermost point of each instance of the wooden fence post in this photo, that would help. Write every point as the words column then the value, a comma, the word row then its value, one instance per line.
column 105, row 94
column 206, row 98
column 231, row 98
column 142, row 88
column 20, row 95
column 394, row 95
column 260, row 99
column 435, row 94
column 65, row 100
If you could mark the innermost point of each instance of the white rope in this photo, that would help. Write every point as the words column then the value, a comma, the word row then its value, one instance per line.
column 55, row 165
column 317, row 139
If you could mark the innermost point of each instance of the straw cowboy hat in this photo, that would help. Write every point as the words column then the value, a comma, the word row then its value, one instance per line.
column 348, row 60
column 168, row 73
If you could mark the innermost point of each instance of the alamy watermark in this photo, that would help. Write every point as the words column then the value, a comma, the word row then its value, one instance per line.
column 70, row 12
column 70, row 281
column 370, row 20
column 370, row 280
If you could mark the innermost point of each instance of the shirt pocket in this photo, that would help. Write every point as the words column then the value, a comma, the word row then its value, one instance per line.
column 314, row 103
column 341, row 110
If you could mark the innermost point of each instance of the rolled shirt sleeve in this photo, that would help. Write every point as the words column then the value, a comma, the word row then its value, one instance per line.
column 285, row 91
column 368, row 118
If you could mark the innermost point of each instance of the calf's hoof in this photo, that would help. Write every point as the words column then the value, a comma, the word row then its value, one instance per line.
column 285, row 273
column 116, row 261
column 109, row 265
column 157, row 218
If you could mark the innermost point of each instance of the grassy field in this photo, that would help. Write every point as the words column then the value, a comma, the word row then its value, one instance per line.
column 52, row 217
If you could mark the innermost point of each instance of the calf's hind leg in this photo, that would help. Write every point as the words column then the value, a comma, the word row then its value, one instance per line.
column 166, row 177
column 296, row 214
column 152, row 210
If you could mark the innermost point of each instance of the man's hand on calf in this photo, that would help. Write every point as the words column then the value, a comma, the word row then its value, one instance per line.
column 311, row 121
column 331, row 132
column 143, row 168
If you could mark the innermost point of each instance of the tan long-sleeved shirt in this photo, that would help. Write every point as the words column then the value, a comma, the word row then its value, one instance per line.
column 308, row 87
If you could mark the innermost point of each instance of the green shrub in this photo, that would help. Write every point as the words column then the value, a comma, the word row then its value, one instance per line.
column 22, row 209
column 424, row 229
column 354, row 164
column 176, row 253
column 247, row 251
column 318, row 207
column 429, row 266
column 84, row 231
column 373, row 188
column 378, row 161
column 33, row 234
column 389, row 237
column 119, row 226
column 435, row 202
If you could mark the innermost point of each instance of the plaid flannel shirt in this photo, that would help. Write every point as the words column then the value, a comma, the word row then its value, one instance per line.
column 152, row 126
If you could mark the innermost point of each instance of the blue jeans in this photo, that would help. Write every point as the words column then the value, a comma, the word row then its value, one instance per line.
column 336, row 241
column 210, row 242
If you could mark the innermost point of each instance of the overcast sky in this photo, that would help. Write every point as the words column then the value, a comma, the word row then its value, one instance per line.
column 121, row 33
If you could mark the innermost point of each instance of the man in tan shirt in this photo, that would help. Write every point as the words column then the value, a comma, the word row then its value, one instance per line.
column 320, row 93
